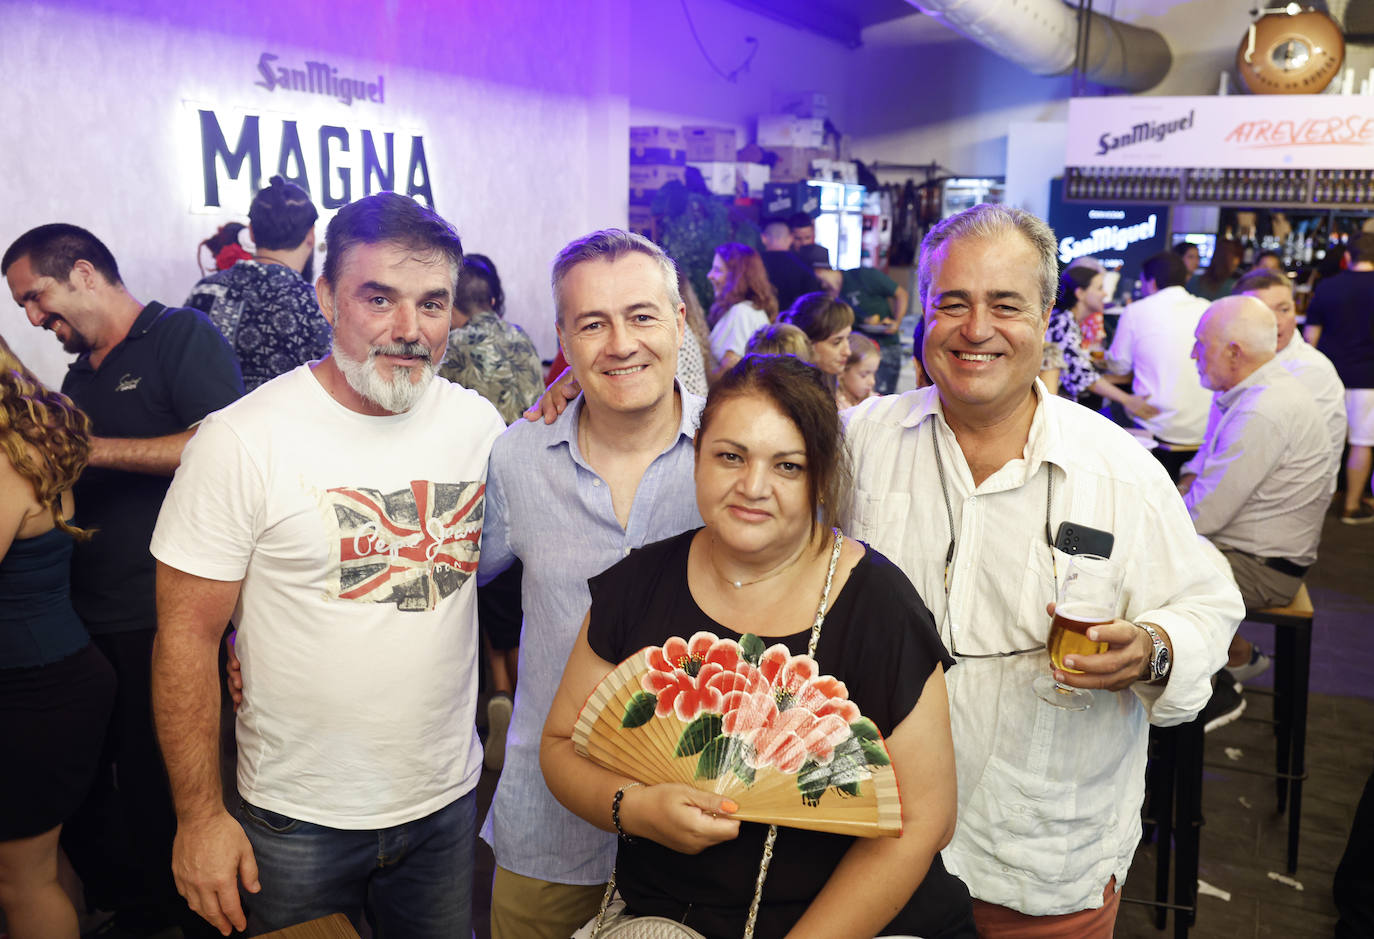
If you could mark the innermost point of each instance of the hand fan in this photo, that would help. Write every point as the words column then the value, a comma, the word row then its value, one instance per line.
column 758, row 725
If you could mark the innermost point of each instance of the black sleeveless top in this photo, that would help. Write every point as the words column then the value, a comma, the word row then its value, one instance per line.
column 37, row 623
column 879, row 639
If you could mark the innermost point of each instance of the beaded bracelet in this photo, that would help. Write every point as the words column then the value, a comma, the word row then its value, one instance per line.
column 615, row 809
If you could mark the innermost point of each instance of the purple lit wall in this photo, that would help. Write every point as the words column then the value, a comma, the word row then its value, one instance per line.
column 520, row 106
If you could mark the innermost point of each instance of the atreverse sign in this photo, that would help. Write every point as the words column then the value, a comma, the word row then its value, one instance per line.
column 1229, row 131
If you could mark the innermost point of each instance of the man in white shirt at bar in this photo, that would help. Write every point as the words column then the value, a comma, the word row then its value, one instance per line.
column 1262, row 482
column 1151, row 343
column 963, row 484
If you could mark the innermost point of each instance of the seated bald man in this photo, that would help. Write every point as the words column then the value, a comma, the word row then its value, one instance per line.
column 1263, row 474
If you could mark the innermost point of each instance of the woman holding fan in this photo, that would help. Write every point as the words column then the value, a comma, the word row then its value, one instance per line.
column 770, row 579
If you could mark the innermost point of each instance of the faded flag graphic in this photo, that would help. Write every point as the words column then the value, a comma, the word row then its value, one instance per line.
column 412, row 547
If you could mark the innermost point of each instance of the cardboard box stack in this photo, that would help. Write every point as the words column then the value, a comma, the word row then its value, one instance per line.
column 808, row 104
column 711, row 150
column 750, row 178
column 797, row 141
column 657, row 156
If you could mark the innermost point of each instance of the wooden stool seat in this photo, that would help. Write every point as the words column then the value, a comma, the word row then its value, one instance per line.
column 336, row 926
column 1299, row 607
column 1176, row 447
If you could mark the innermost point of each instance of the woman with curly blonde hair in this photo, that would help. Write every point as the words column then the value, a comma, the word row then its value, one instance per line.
column 55, row 687
column 745, row 301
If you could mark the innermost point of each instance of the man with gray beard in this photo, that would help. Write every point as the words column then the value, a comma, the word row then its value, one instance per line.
column 335, row 514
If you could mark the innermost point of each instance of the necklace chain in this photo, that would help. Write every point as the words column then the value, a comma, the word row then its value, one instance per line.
column 740, row 584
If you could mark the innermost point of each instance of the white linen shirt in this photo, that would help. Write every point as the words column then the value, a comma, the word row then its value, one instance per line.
column 1049, row 800
column 1316, row 373
column 1154, row 339
column 1266, row 472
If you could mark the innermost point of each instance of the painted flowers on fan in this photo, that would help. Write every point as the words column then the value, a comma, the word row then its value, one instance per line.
column 748, row 708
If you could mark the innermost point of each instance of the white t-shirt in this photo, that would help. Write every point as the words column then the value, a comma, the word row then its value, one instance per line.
column 1318, row 376
column 356, row 539
column 1154, row 339
column 732, row 331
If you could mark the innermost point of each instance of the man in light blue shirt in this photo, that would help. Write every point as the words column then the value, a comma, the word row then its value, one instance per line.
column 570, row 499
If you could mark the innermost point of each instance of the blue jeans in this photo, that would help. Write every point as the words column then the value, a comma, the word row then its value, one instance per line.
column 411, row 880
column 889, row 365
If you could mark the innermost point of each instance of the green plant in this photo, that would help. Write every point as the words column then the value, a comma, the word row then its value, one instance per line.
column 692, row 225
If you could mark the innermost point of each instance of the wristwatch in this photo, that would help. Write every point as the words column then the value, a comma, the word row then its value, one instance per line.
column 1159, row 656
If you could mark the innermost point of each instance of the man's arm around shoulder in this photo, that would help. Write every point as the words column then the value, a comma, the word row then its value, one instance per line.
column 211, row 854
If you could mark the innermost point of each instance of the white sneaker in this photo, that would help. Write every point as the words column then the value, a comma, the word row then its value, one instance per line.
column 498, row 722
column 1257, row 665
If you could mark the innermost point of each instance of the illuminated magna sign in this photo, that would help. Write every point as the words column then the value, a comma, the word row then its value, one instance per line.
column 334, row 163
column 1227, row 131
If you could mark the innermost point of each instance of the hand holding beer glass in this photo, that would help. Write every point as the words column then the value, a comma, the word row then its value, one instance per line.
column 1088, row 597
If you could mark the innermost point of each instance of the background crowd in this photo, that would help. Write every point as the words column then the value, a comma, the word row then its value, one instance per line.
column 276, row 454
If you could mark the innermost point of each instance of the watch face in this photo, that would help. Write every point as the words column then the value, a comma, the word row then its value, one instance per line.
column 1161, row 663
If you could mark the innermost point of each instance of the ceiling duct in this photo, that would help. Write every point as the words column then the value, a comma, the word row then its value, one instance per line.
column 1041, row 36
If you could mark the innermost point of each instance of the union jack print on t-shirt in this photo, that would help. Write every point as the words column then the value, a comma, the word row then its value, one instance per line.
column 412, row 547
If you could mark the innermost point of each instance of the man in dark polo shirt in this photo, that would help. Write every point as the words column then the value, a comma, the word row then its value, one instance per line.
column 788, row 274
column 146, row 375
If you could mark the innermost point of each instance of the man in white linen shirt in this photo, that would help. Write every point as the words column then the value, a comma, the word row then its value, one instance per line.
column 978, row 469
column 335, row 514
column 1151, row 342
column 1262, row 482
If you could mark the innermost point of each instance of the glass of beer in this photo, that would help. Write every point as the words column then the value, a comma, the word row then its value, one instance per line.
column 1088, row 597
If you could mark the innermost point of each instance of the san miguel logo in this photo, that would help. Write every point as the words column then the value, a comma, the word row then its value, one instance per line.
column 1144, row 132
column 319, row 78
column 1108, row 237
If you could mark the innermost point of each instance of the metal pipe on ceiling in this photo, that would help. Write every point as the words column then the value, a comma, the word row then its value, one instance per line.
column 1042, row 35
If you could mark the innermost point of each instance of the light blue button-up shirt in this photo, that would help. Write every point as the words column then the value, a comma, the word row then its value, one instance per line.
column 551, row 510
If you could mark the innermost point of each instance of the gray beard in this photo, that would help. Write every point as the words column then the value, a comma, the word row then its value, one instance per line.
column 398, row 395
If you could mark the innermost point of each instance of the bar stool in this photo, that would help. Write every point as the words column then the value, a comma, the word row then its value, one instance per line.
column 1292, row 674
column 1174, row 811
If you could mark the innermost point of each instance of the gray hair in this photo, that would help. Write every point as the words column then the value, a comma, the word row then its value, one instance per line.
column 986, row 221
column 611, row 245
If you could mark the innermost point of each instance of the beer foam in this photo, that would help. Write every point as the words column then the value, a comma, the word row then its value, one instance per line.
column 1084, row 612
